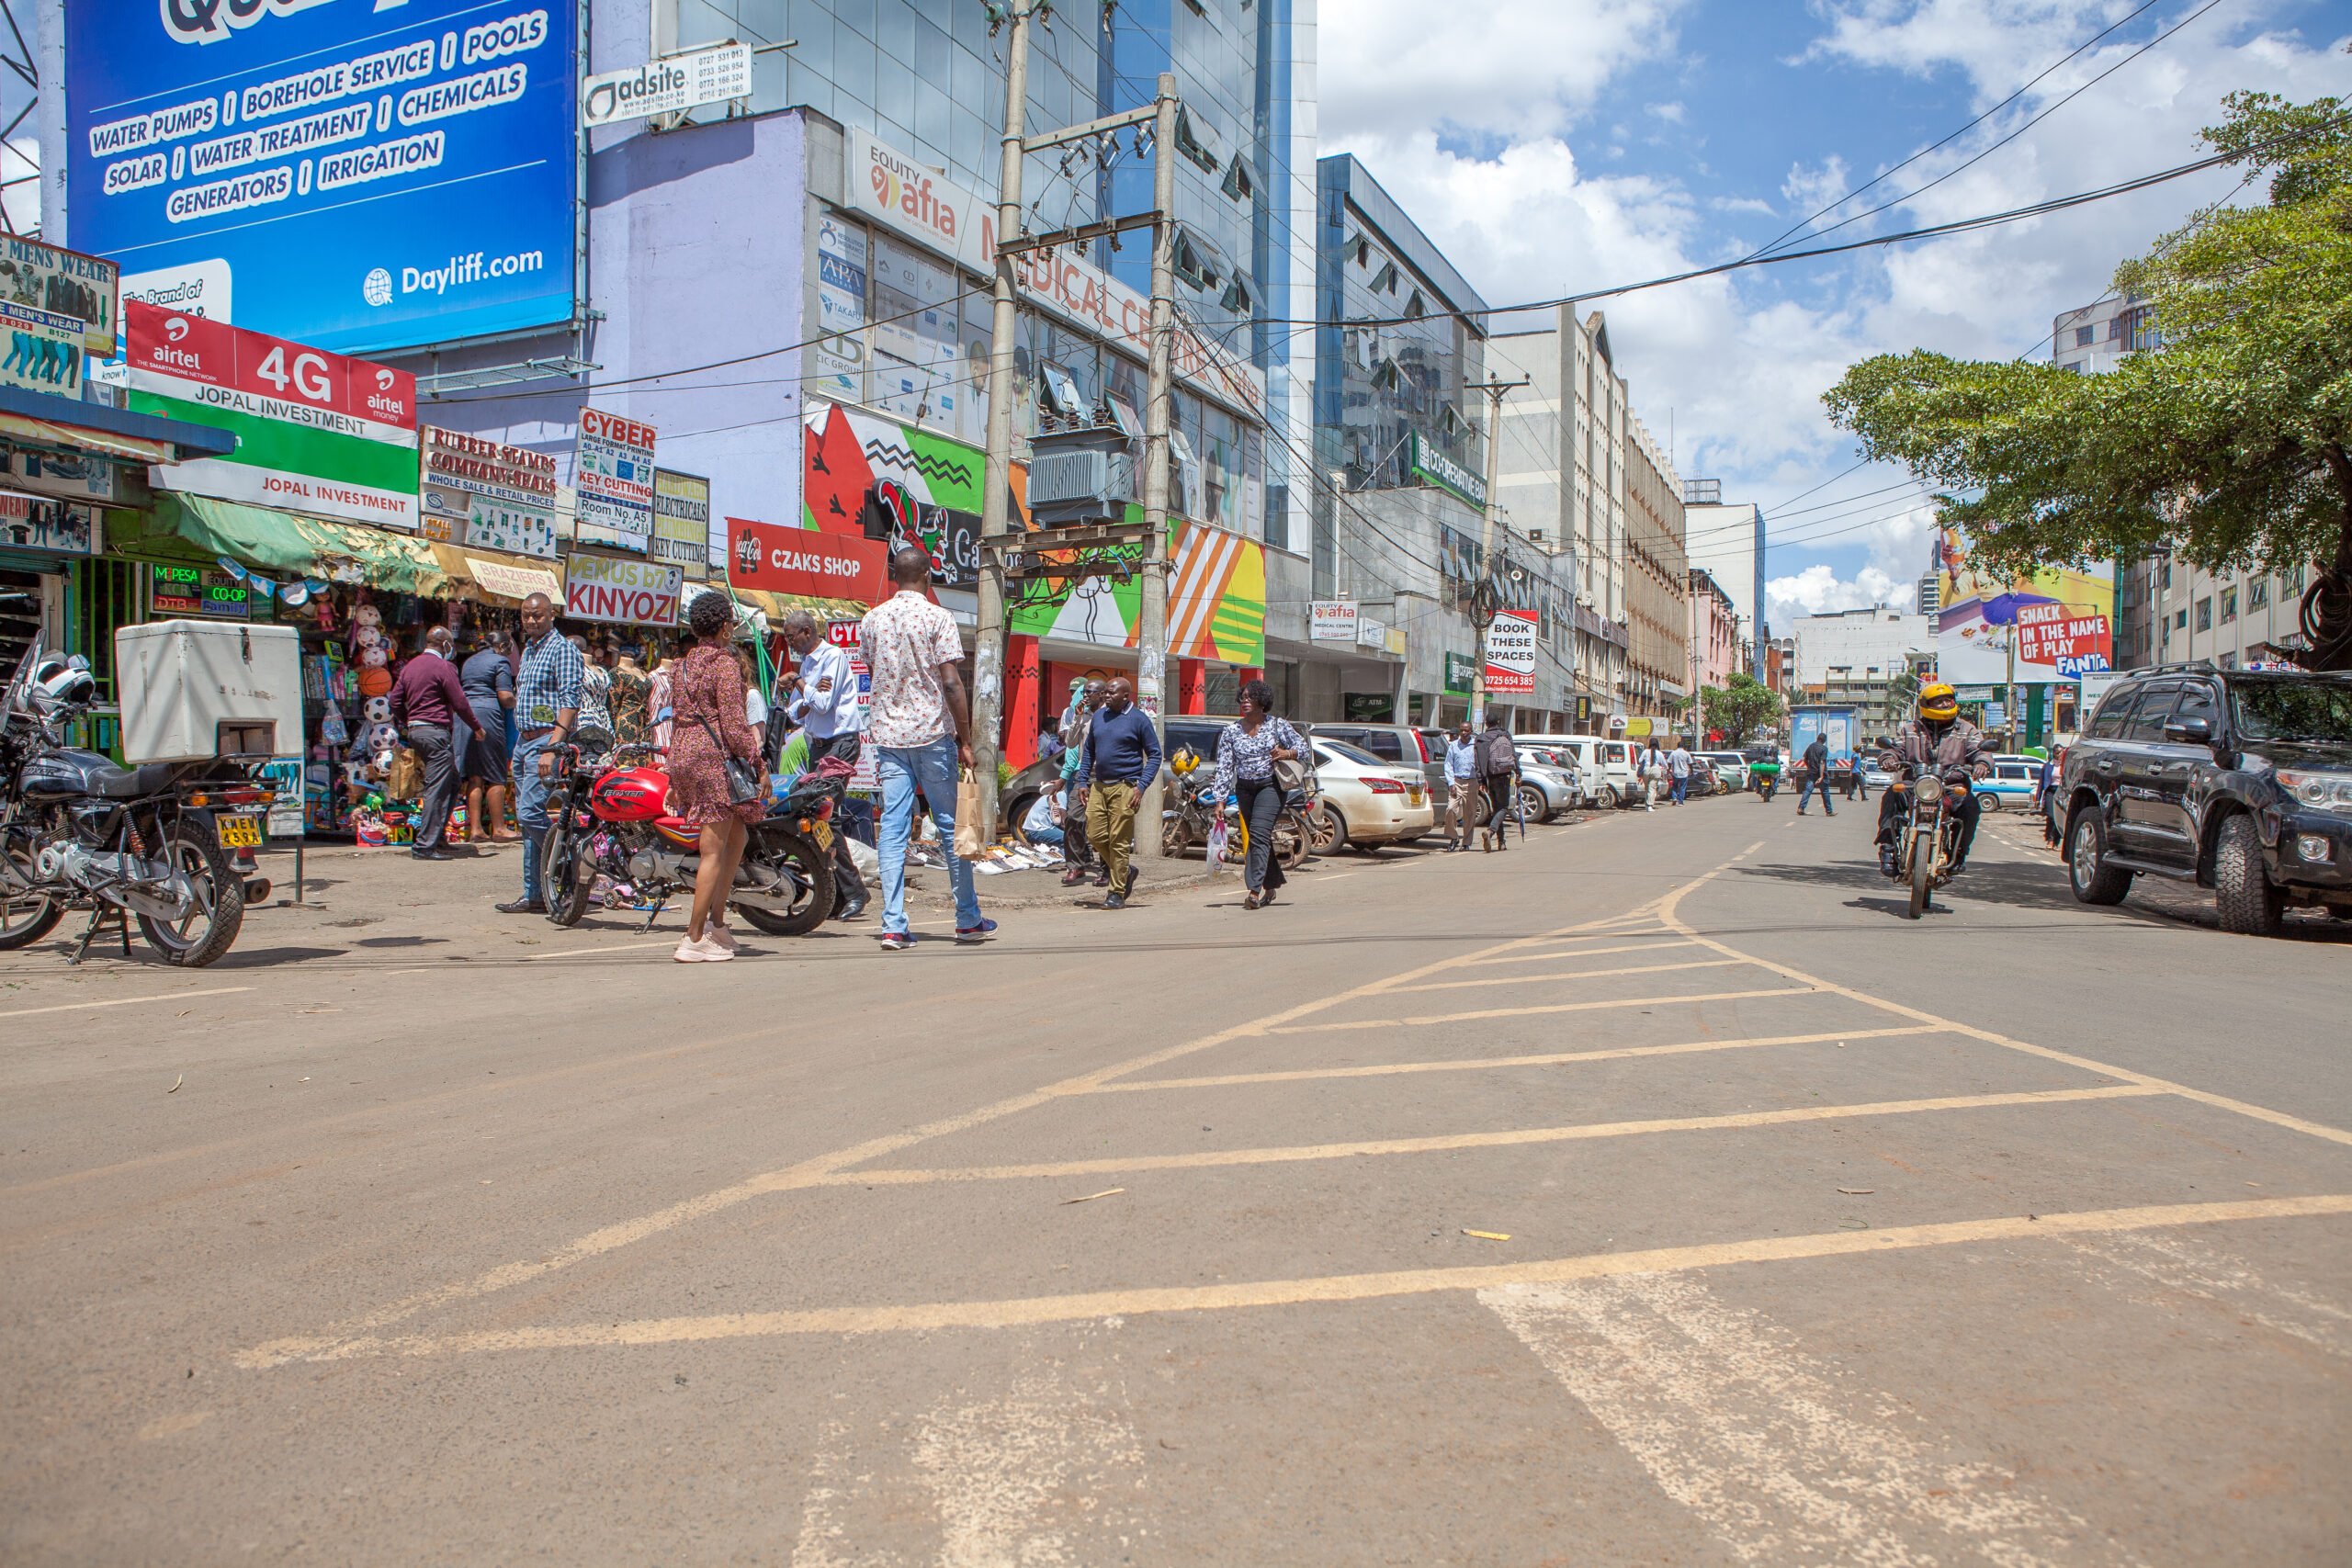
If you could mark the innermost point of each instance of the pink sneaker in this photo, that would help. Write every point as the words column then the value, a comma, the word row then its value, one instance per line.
column 719, row 934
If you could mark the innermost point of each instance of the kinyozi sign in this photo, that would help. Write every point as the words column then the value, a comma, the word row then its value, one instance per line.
column 599, row 588
column 487, row 494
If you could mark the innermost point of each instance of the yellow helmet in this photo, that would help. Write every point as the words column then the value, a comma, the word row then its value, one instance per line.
column 1939, row 700
column 1182, row 760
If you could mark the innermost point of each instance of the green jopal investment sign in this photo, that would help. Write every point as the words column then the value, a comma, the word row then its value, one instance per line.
column 1431, row 464
column 1461, row 673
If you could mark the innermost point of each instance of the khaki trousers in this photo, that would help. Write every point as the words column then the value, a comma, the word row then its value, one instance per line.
column 1110, row 826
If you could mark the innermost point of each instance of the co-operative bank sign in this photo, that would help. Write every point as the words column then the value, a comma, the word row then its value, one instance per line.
column 310, row 160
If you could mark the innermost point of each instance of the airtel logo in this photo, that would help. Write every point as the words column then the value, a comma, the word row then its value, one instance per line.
column 383, row 380
column 177, row 328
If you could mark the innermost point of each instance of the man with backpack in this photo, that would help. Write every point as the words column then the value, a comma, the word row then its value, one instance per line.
column 1498, row 770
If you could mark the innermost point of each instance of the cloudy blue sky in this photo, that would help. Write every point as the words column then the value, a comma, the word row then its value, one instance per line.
column 1565, row 145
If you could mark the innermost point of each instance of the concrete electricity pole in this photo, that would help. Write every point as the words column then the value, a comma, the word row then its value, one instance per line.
column 1494, row 390
column 1151, row 635
column 988, row 642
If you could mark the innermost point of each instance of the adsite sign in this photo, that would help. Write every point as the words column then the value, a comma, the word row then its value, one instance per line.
column 779, row 560
column 309, row 159
column 316, row 431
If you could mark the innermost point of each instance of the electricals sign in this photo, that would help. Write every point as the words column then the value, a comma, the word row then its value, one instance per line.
column 805, row 562
column 682, row 523
column 316, row 433
column 1511, row 653
column 355, row 176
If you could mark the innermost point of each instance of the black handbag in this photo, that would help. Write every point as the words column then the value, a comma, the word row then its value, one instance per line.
column 742, row 784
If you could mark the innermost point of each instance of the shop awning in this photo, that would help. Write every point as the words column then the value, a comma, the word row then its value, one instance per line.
column 70, row 426
column 775, row 606
column 200, row 527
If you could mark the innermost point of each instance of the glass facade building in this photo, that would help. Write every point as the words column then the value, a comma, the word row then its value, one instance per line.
column 927, row 78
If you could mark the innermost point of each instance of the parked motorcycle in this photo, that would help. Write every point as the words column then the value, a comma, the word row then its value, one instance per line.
column 77, row 832
column 609, row 816
column 1927, row 836
column 1187, row 818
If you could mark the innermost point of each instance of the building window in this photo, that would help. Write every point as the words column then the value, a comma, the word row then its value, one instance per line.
column 2181, row 619
column 2229, row 605
column 2257, row 596
column 2083, row 336
column 2204, row 615
column 2292, row 579
column 2168, row 574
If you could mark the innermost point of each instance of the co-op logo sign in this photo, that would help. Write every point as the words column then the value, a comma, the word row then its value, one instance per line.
column 211, row 21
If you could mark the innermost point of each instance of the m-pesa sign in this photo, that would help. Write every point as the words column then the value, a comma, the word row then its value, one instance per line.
column 777, row 559
column 316, row 431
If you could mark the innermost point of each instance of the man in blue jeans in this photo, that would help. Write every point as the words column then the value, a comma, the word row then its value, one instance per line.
column 1816, row 764
column 547, row 710
column 920, row 726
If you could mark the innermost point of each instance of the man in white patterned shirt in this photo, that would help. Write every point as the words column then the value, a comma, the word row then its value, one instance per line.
column 920, row 727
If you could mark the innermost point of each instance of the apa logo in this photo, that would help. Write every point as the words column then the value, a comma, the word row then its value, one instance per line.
column 177, row 328
column 211, row 21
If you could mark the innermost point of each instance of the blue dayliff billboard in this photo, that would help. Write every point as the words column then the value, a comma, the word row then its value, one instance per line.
column 360, row 174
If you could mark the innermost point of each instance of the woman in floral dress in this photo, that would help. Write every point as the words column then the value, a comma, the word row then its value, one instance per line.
column 707, row 699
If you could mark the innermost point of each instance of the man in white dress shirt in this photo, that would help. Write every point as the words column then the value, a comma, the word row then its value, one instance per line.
column 822, row 699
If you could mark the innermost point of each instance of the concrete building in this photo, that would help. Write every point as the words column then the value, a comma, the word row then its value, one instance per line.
column 1853, row 659
column 1659, row 669
column 1714, row 630
column 2090, row 340
column 1727, row 540
column 2228, row 618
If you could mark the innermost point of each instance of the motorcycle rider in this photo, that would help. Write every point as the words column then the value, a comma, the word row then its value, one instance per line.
column 1937, row 743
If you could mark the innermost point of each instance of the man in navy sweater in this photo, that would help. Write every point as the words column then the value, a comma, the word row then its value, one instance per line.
column 1119, row 756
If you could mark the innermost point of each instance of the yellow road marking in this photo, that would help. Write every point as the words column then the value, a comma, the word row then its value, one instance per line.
column 126, row 1001
column 2223, row 1102
column 1483, row 1064
column 1207, row 1157
column 1039, row 1310
column 1569, row 974
column 594, row 952
column 1580, row 953
column 1523, row 1012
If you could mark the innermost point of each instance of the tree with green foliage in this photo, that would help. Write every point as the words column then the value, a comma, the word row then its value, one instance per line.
column 2231, row 446
column 1738, row 707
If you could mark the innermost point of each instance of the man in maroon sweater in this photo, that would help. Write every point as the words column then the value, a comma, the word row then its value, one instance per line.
column 427, row 705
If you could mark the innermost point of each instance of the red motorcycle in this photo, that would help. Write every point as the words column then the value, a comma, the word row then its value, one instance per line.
column 612, row 819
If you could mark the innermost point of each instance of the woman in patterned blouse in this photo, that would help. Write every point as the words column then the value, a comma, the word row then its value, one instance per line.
column 1246, row 755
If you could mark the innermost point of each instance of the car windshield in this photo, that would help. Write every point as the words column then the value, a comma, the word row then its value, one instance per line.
column 1348, row 753
column 2293, row 710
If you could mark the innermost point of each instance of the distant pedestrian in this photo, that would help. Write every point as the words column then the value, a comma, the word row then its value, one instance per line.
column 488, row 676
column 1678, row 770
column 1042, row 824
column 822, row 698
column 1246, row 753
column 546, row 706
column 429, row 705
column 595, row 729
column 1498, row 775
column 1651, row 765
column 1087, row 698
column 920, row 726
column 1815, row 768
column 1120, row 757
column 1461, row 785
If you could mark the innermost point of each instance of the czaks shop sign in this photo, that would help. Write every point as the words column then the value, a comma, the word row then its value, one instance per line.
column 316, row 433
column 601, row 588
column 1331, row 620
column 487, row 494
column 805, row 562
column 612, row 473
column 682, row 523
column 1432, row 465
column 1511, row 652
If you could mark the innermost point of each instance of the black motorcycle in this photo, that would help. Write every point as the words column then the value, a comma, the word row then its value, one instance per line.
column 77, row 832
column 1926, row 836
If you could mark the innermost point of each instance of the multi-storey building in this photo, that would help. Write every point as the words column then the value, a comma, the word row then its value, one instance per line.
column 1714, row 630
column 2228, row 617
column 1855, row 658
column 1727, row 539
column 1659, row 666
column 2091, row 340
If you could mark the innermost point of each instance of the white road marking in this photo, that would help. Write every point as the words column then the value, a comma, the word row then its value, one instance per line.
column 1785, row 1459
column 594, row 952
column 127, row 1001
column 2181, row 1267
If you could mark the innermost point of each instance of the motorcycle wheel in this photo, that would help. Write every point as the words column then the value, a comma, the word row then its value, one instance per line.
column 1923, row 880
column 810, row 909
column 1607, row 799
column 209, row 929
column 27, row 914
column 565, row 882
column 1174, row 839
column 1292, row 837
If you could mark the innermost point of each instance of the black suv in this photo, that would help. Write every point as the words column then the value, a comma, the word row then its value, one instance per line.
column 2236, row 780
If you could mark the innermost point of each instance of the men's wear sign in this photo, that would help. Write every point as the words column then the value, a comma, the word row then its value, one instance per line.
column 1511, row 653
column 487, row 494
column 1331, row 620
column 599, row 588
column 316, row 433
column 361, row 178
column 32, row 523
column 805, row 562
column 682, row 523
column 50, row 281
column 612, row 473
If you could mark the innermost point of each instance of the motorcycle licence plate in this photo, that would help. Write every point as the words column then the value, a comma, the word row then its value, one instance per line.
column 238, row 832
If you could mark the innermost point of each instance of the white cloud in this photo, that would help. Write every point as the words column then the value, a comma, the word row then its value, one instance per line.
column 1817, row 590
column 1670, row 113
column 1813, row 189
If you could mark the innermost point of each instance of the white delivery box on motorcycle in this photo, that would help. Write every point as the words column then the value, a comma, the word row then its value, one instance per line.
column 195, row 689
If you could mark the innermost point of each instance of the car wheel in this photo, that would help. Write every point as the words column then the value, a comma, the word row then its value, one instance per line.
column 1532, row 805
column 2248, row 901
column 1329, row 828
column 2096, row 882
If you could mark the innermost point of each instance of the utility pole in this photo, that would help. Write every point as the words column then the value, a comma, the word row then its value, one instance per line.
column 1494, row 390
column 988, row 642
column 1151, row 635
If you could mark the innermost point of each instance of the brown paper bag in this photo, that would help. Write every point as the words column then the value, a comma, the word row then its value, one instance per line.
column 405, row 779
column 971, row 838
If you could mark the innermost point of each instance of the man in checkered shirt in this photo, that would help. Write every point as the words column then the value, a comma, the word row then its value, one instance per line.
column 547, row 709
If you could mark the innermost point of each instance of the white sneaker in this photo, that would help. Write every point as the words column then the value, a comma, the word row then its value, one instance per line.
column 704, row 951
column 719, row 934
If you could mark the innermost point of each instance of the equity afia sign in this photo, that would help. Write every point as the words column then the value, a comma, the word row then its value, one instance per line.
column 777, row 559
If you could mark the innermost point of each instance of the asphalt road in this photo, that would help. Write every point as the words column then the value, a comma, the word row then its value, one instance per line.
column 1652, row 1193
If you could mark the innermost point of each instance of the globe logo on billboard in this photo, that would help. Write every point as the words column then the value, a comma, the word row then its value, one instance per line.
column 378, row 286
